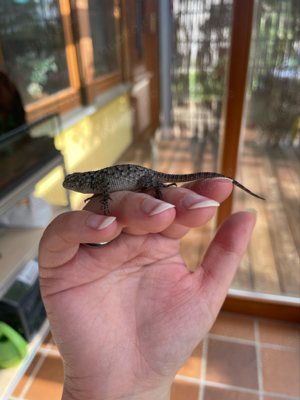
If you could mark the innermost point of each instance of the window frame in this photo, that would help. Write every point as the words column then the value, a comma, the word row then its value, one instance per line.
column 1, row 55
column 65, row 99
column 84, row 88
column 94, row 86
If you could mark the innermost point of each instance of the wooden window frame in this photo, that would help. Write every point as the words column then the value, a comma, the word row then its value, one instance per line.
column 237, row 77
column 278, row 307
column 84, row 88
column 91, row 86
column 69, row 98
column 1, row 56
column 65, row 99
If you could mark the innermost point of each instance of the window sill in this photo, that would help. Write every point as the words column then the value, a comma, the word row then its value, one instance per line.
column 70, row 118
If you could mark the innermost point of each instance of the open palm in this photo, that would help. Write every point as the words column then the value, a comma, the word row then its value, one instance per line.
column 127, row 316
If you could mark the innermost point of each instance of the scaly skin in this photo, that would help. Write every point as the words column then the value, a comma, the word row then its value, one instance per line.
column 132, row 178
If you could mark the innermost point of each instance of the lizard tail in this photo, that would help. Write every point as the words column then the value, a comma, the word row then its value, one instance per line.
column 236, row 183
column 202, row 175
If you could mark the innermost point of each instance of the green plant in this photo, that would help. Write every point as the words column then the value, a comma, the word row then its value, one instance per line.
column 38, row 67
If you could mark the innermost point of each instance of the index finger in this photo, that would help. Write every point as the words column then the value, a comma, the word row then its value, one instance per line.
column 62, row 238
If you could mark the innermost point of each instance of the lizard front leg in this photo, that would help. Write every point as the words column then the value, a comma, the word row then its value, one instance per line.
column 102, row 187
column 104, row 203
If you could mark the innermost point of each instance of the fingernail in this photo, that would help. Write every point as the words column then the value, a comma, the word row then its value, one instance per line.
column 252, row 211
column 193, row 200
column 219, row 178
column 151, row 206
column 203, row 204
column 99, row 221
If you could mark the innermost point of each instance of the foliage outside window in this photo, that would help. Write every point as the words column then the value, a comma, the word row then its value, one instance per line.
column 274, row 67
column 33, row 47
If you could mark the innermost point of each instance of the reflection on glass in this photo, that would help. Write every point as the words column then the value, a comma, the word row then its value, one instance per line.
column 270, row 153
column 102, row 15
column 33, row 47
column 201, row 46
column 201, row 37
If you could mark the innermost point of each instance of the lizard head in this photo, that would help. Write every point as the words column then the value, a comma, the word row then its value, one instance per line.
column 78, row 182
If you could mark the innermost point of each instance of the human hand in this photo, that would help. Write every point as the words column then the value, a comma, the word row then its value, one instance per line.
column 127, row 316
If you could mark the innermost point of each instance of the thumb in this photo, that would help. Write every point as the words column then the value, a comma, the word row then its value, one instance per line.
column 223, row 257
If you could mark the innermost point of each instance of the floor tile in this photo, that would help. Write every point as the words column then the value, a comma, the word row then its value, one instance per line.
column 281, row 371
column 233, row 326
column 279, row 333
column 276, row 398
column 181, row 390
column 192, row 367
column 212, row 393
column 232, row 364
column 46, row 340
column 25, row 377
column 48, row 383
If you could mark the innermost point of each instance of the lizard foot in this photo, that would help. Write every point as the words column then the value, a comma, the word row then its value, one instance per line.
column 158, row 191
column 104, row 204
column 89, row 198
column 171, row 184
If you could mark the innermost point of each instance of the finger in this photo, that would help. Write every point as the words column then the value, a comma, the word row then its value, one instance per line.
column 127, row 206
column 138, row 211
column 222, row 259
column 175, row 231
column 63, row 236
column 192, row 208
column 217, row 189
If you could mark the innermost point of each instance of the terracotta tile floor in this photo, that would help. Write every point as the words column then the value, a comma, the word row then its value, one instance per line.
column 242, row 358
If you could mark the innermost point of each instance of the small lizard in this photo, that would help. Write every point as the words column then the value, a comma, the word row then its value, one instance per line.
column 133, row 178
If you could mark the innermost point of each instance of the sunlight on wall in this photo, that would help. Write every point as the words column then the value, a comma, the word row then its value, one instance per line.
column 93, row 143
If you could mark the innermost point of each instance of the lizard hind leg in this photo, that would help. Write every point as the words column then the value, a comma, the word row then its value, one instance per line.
column 158, row 189
column 89, row 198
column 147, row 181
column 171, row 184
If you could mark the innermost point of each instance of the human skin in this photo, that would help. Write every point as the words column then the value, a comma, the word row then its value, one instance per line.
column 127, row 316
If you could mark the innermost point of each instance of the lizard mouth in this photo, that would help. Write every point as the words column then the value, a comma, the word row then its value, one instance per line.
column 77, row 182
column 71, row 182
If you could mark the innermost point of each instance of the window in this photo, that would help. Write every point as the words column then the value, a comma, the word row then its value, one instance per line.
column 103, row 33
column 99, row 38
column 39, row 55
column 38, row 50
column 33, row 47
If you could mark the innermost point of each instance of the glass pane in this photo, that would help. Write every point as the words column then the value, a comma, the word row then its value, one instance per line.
column 33, row 47
column 201, row 45
column 202, row 37
column 25, row 150
column 270, row 152
column 103, row 33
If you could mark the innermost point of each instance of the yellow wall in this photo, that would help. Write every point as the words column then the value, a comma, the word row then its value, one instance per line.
column 93, row 143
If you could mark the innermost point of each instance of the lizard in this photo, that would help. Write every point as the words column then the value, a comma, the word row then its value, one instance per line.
column 132, row 178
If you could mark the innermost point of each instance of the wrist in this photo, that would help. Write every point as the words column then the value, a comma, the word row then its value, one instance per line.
column 72, row 393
